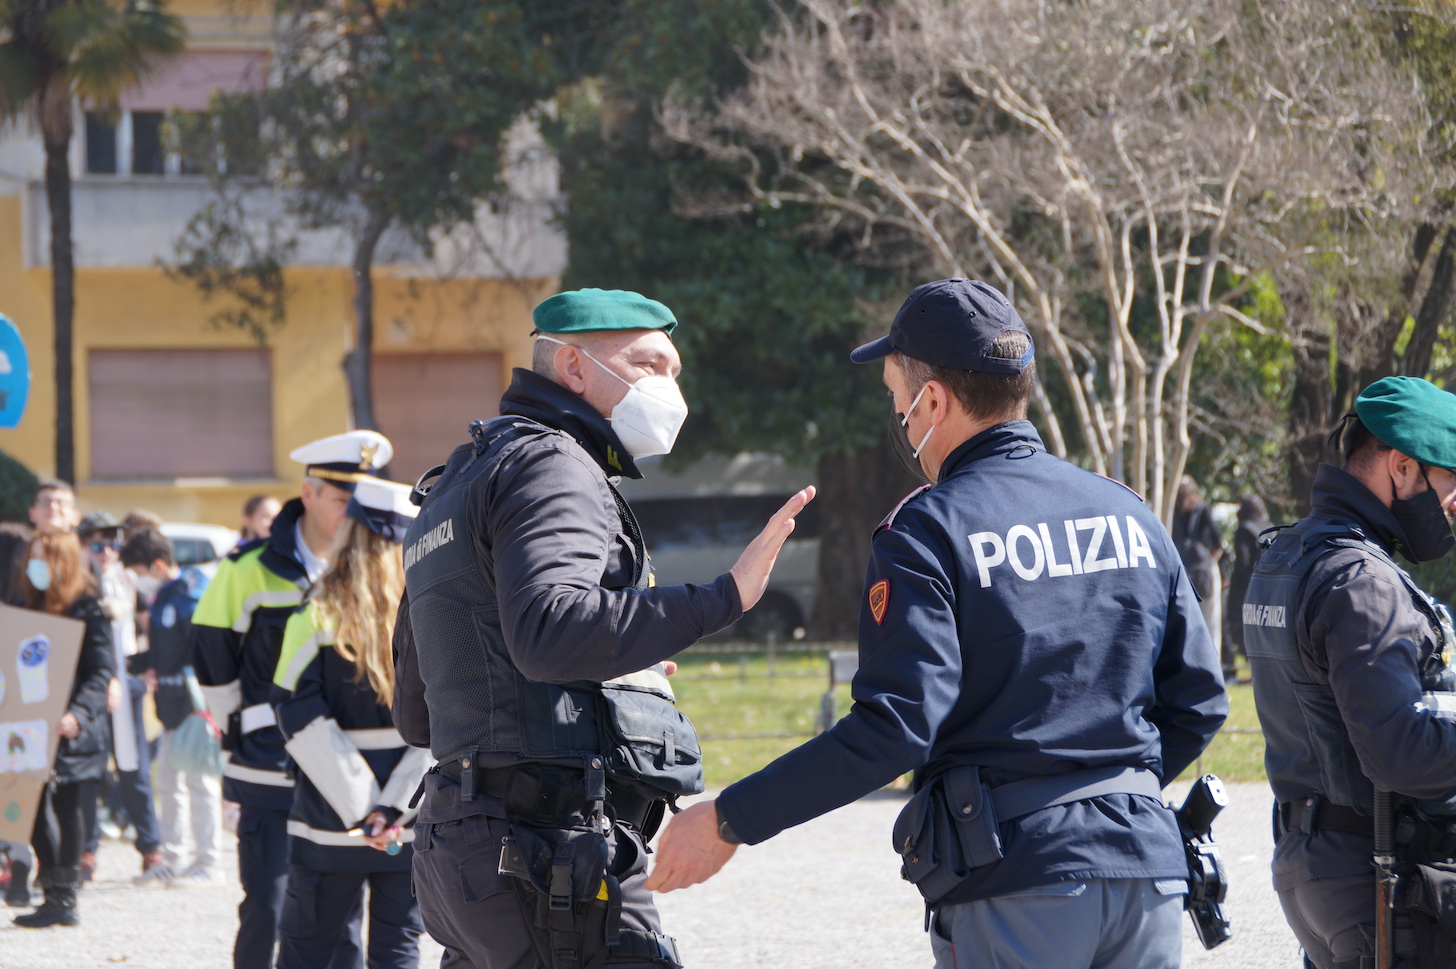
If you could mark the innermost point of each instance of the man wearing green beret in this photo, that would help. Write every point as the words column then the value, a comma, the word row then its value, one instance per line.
column 532, row 648
column 1349, row 659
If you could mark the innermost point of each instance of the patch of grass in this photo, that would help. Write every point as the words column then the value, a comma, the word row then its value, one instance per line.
column 733, row 703
column 1237, row 753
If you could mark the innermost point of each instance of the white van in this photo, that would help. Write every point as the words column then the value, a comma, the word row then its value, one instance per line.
column 697, row 520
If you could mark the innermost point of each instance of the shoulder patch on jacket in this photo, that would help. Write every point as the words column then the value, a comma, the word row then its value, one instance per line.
column 890, row 518
column 879, row 600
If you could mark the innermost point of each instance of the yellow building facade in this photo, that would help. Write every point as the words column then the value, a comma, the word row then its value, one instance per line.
column 180, row 417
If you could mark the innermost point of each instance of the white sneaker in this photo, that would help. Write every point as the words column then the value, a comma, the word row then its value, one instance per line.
column 155, row 871
column 194, row 875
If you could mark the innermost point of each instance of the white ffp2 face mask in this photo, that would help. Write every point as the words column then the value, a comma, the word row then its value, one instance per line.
column 39, row 574
column 648, row 419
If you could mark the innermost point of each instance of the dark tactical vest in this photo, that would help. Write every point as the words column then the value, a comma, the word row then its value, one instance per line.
column 476, row 696
column 1307, row 749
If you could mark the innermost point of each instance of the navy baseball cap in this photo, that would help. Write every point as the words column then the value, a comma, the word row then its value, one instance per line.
column 952, row 323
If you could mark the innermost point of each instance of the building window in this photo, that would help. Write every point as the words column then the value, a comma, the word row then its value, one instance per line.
column 424, row 403
column 181, row 414
column 147, row 154
column 100, row 144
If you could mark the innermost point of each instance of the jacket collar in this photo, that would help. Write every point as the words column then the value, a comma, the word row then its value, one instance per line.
column 532, row 396
column 999, row 439
column 280, row 556
column 1340, row 496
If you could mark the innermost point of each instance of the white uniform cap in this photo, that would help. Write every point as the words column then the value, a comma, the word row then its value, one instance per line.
column 345, row 459
column 384, row 506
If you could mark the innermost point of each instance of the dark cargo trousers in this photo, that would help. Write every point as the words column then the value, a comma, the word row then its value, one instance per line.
column 482, row 917
column 263, row 871
column 323, row 906
column 1334, row 921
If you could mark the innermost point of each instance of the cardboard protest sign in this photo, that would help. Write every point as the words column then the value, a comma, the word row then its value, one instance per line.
column 38, row 654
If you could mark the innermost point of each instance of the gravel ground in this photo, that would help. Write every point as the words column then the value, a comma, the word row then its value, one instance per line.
column 826, row 895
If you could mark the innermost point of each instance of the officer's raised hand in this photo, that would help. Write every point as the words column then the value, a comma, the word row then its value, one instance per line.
column 752, row 569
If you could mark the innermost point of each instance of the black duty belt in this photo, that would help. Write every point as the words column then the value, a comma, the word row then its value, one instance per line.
column 542, row 794
column 1312, row 814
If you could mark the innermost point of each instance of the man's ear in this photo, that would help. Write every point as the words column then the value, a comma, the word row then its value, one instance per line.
column 940, row 401
column 1405, row 471
column 569, row 363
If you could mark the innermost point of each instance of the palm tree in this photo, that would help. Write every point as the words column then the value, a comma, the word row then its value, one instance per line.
column 53, row 52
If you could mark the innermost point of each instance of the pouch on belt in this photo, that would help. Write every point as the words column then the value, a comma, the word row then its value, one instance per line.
column 947, row 830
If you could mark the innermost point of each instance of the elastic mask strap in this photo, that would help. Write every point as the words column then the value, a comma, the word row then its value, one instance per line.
column 550, row 339
column 905, row 422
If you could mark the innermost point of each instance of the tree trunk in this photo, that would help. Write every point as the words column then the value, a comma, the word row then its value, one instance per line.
column 1310, row 404
column 1435, row 307
column 856, row 491
column 358, row 363
column 63, row 289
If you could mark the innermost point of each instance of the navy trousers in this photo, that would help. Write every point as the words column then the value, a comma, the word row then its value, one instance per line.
column 263, row 871
column 321, row 906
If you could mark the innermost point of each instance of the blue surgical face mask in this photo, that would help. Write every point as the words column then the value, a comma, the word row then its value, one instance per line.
column 39, row 574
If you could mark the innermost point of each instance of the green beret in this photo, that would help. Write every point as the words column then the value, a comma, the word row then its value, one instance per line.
column 589, row 310
column 1412, row 415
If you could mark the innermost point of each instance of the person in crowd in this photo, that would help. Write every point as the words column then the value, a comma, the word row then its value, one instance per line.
column 1031, row 647
column 53, row 509
column 166, row 665
column 101, row 535
column 529, row 606
column 1253, row 520
column 58, row 581
column 1352, row 684
column 237, row 633
column 356, row 777
column 15, row 541
column 138, row 519
column 258, row 514
column 1201, row 546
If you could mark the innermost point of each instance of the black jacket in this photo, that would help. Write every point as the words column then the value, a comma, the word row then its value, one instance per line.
column 548, row 536
column 1362, row 639
column 83, row 758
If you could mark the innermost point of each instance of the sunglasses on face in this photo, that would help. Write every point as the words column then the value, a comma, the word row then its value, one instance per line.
column 102, row 545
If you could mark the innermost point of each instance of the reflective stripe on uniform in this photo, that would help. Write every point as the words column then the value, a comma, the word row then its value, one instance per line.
column 252, row 775
column 233, row 595
column 338, row 839
column 258, row 716
column 377, row 738
column 301, row 641
column 263, row 600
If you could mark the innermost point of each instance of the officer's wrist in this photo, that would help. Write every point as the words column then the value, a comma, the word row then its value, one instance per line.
column 725, row 830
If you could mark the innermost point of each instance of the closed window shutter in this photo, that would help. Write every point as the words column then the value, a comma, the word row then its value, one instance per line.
column 181, row 414
column 424, row 403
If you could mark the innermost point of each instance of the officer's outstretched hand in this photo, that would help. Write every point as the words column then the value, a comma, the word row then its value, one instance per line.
column 690, row 850
column 752, row 569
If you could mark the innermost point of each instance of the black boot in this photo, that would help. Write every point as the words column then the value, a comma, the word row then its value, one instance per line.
column 60, row 900
column 18, row 894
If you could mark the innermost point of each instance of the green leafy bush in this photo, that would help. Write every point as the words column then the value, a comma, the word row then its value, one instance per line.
column 17, row 489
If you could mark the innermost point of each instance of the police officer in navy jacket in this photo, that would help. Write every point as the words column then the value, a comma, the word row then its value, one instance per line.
column 1031, row 647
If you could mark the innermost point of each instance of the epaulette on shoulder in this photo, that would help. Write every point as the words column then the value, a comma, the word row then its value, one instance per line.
column 890, row 518
column 245, row 547
column 1123, row 485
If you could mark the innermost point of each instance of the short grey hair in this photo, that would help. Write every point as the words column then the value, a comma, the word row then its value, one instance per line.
column 543, row 357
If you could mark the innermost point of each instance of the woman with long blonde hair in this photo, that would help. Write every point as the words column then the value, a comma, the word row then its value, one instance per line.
column 57, row 580
column 335, row 680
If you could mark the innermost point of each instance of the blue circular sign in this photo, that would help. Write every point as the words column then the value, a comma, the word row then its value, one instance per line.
column 14, row 374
